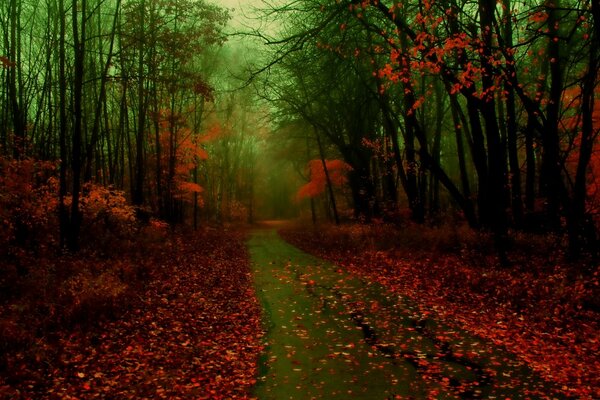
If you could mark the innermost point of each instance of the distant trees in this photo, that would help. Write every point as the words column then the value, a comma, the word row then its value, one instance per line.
column 469, row 96
column 119, row 96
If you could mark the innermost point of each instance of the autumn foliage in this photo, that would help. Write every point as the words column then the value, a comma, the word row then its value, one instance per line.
column 28, row 202
column 74, row 324
column 336, row 169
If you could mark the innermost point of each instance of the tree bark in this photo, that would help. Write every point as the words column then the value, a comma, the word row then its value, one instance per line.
column 79, row 39
column 336, row 217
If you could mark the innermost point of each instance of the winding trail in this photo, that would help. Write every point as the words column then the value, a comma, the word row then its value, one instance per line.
column 331, row 335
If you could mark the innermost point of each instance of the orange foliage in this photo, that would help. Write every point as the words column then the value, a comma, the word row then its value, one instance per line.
column 106, row 208
column 213, row 133
column 186, row 148
column 27, row 200
column 336, row 169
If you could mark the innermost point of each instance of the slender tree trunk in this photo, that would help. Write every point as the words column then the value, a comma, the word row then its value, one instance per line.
column 460, row 148
column 496, row 153
column 530, row 167
column 434, row 188
column 123, row 139
column 576, row 221
column 328, row 180
column 79, row 39
column 417, row 206
column 18, row 117
column 138, row 192
column 511, row 126
column 479, row 160
column 313, row 213
column 551, row 177
column 391, row 129
column 63, row 213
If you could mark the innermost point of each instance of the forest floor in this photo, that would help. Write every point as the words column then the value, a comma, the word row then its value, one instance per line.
column 541, row 309
column 334, row 335
column 190, row 330
column 411, row 313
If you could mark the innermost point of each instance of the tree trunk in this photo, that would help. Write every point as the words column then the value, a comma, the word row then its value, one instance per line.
column 79, row 39
column 328, row 180
column 14, row 88
column 580, row 236
column 63, row 213
column 138, row 192
column 551, row 177
column 460, row 148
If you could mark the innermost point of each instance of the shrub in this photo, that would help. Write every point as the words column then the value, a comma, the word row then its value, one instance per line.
column 27, row 204
column 87, row 297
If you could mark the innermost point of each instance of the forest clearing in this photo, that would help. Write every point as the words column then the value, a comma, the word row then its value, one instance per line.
column 272, row 199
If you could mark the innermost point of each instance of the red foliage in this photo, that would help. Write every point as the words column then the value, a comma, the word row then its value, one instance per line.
column 545, row 313
column 183, row 149
column 337, row 171
column 27, row 203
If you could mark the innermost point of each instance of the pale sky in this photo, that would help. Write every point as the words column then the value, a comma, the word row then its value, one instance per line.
column 241, row 7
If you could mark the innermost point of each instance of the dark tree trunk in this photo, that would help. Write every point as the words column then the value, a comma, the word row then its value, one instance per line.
column 551, row 177
column 63, row 213
column 434, row 187
column 460, row 148
column 496, row 154
column 138, row 189
column 78, row 71
column 530, row 167
column 511, row 125
column 14, row 88
column 328, row 180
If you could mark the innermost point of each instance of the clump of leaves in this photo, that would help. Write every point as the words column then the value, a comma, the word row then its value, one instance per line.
column 336, row 171
column 108, row 220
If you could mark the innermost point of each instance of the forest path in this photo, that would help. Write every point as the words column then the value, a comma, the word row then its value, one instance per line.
column 331, row 335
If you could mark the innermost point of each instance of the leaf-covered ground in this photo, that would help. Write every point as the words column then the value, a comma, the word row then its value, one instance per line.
column 193, row 332
column 334, row 335
column 544, row 314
